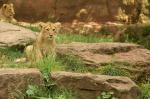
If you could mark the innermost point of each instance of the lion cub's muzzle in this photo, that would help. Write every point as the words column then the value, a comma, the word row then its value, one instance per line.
column 11, row 15
column 50, row 37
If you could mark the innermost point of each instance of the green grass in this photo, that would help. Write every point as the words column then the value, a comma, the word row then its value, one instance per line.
column 145, row 88
column 72, row 63
column 34, row 29
column 67, row 38
column 8, row 57
column 44, row 92
column 112, row 69
column 50, row 92
column 106, row 95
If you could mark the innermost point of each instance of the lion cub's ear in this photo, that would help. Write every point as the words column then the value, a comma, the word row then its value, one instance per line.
column 11, row 4
column 58, row 26
column 5, row 6
column 42, row 25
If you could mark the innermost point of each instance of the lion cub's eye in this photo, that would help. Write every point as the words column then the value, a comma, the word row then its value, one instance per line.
column 53, row 29
column 47, row 29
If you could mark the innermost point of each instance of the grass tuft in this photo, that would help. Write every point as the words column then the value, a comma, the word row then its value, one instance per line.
column 67, row 38
column 113, row 70
column 145, row 88
column 72, row 63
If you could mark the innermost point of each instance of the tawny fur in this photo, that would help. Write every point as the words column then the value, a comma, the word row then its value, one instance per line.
column 7, row 13
column 45, row 44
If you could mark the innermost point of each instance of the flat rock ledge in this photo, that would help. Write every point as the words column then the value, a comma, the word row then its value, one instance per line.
column 15, row 36
column 89, row 86
column 14, row 80
column 132, row 58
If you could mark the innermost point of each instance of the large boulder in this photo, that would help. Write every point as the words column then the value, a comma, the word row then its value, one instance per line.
column 88, row 86
column 17, row 80
column 130, row 57
column 15, row 36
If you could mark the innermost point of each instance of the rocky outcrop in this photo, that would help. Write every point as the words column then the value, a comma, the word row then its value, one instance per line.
column 88, row 86
column 66, row 10
column 130, row 57
column 15, row 36
column 17, row 80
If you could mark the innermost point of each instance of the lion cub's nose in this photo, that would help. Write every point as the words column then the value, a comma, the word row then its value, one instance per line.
column 50, row 35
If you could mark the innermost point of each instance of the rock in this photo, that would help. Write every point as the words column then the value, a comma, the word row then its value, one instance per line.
column 90, row 86
column 130, row 57
column 17, row 80
column 15, row 36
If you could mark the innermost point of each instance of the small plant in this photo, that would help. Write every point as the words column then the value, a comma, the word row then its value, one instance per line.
column 107, row 95
column 35, row 92
column 48, row 64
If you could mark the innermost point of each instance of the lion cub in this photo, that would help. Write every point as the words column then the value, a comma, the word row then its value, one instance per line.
column 44, row 45
column 7, row 13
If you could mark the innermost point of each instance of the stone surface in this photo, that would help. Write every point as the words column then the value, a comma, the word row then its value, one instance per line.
column 15, row 36
column 134, row 57
column 66, row 10
column 89, row 86
column 14, row 80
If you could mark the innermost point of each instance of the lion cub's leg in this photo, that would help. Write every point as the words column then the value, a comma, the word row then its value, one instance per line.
column 38, row 55
column 13, row 21
column 33, row 54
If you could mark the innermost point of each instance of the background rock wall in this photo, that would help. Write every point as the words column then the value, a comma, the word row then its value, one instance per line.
column 65, row 10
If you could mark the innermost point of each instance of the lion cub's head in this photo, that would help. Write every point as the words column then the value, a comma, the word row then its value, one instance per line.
column 49, row 31
column 8, row 10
